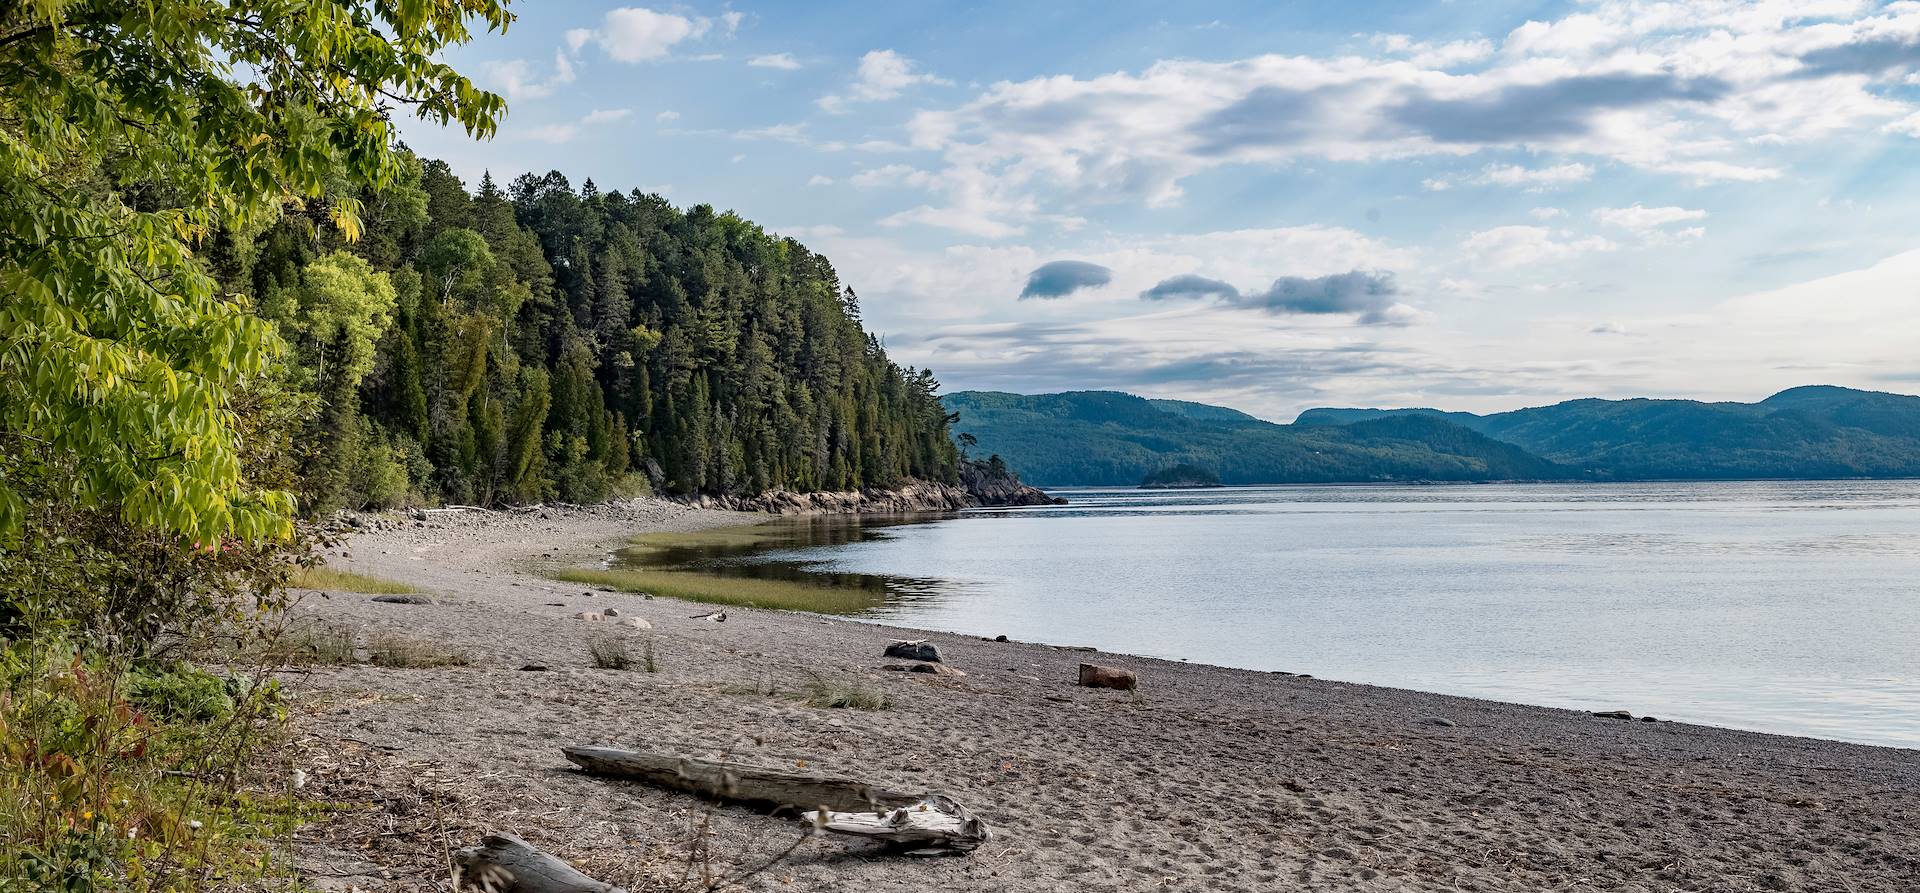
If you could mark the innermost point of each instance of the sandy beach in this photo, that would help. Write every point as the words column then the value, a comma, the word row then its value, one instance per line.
column 1206, row 779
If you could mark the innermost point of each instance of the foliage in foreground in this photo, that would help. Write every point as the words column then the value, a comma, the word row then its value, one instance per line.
column 131, row 779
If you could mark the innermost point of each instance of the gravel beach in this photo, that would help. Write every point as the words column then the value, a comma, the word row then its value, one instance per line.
column 1206, row 779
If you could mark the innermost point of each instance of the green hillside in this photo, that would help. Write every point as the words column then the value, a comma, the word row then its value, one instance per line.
column 1102, row 438
column 1105, row 438
column 1807, row 432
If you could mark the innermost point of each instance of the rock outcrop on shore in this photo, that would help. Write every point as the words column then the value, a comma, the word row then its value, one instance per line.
column 914, row 496
column 980, row 485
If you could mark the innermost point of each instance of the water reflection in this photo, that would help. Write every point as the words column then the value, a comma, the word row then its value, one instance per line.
column 791, row 550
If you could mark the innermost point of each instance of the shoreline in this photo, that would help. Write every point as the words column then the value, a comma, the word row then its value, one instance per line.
column 1321, row 782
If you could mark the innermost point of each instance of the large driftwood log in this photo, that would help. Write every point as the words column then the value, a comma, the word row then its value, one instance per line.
column 503, row 863
column 736, row 782
column 936, row 826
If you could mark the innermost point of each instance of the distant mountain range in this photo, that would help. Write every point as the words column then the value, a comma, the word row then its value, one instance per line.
column 1107, row 438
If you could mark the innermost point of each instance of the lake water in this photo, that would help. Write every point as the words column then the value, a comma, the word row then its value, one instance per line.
column 1781, row 607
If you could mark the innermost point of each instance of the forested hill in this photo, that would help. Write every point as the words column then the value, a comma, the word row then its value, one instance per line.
column 1112, row 439
column 1817, row 431
column 1104, row 438
column 543, row 342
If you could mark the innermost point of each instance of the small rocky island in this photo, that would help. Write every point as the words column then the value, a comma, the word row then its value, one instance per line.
column 1181, row 477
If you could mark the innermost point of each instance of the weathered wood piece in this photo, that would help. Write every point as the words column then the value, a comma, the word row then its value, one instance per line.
column 737, row 782
column 503, row 863
column 935, row 826
column 1096, row 676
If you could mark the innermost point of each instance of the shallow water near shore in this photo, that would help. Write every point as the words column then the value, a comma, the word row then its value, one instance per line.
column 1789, row 607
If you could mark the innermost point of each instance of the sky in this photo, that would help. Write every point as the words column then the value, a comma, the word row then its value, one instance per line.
column 1277, row 205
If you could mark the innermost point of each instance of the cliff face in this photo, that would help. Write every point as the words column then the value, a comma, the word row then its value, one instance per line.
column 979, row 486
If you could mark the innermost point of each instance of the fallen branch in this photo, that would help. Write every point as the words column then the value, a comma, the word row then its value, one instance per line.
column 503, row 863
column 737, row 782
column 936, row 826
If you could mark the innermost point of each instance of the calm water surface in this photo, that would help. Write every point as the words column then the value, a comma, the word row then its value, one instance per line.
column 1781, row 607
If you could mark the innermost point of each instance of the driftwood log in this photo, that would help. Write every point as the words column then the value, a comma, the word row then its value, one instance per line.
column 936, row 826
column 920, row 824
column 737, row 782
column 503, row 863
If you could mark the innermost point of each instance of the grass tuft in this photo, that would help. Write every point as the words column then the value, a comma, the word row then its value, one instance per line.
column 713, row 589
column 610, row 654
column 391, row 650
column 311, row 645
column 843, row 694
column 347, row 581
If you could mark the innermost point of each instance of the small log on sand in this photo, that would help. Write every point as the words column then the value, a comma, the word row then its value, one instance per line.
column 737, row 782
column 503, row 863
column 1096, row 676
column 936, row 826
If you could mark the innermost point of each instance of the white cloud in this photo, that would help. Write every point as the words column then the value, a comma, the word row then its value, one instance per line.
column 784, row 133
column 1536, row 179
column 604, row 116
column 1531, row 179
column 668, row 115
column 638, row 34
column 732, row 20
column 1546, row 213
column 1646, row 222
column 782, row 61
column 892, row 175
column 882, row 75
column 819, row 180
column 569, row 131
column 1434, row 55
column 516, row 79
column 1511, row 247
column 1700, row 91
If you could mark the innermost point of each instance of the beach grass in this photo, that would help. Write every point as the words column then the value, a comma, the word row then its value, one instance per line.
column 841, row 694
column 346, row 581
column 714, row 589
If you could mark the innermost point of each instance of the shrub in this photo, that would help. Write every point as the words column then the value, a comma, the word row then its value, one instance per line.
column 129, row 779
column 610, row 654
column 182, row 692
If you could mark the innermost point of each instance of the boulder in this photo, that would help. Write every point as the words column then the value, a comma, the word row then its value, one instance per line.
column 589, row 615
column 403, row 599
column 915, row 650
column 1096, row 676
column 611, row 612
column 1613, row 714
column 638, row 623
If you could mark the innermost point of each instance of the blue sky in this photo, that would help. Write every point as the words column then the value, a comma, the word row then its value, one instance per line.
column 1274, row 206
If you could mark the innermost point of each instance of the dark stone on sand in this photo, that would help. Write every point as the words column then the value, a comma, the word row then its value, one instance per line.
column 1437, row 721
column 1613, row 714
column 1649, row 719
column 935, row 669
column 403, row 599
column 535, row 668
column 918, row 650
column 1096, row 676
column 1000, row 638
